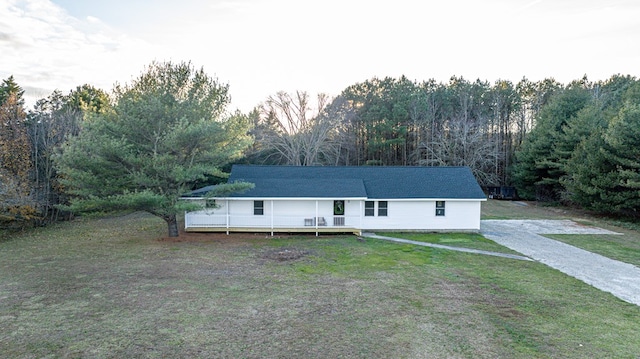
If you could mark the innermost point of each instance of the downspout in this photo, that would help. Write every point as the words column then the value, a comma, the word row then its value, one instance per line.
column 316, row 220
column 227, row 205
column 271, row 218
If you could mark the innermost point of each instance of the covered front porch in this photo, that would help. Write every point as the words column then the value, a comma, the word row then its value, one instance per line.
column 281, row 216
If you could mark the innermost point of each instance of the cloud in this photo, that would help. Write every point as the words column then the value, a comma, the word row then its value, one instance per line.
column 93, row 20
column 66, row 51
column 11, row 41
column 260, row 47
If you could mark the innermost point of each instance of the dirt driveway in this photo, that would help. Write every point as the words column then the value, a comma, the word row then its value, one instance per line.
column 524, row 236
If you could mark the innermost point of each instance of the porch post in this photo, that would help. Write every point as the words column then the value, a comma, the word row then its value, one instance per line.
column 227, row 205
column 360, row 205
column 316, row 219
column 271, row 218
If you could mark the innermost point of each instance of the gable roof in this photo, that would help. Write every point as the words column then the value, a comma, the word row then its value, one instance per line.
column 357, row 182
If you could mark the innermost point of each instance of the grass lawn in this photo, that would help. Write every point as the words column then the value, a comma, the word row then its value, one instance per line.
column 496, row 209
column 109, row 288
column 464, row 240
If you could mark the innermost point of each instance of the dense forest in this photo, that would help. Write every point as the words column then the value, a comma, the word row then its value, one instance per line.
column 576, row 143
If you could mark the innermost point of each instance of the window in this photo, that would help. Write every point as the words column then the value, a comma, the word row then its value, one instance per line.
column 369, row 209
column 258, row 208
column 439, row 208
column 382, row 208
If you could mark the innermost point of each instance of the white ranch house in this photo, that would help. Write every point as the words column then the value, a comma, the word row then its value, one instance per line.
column 342, row 199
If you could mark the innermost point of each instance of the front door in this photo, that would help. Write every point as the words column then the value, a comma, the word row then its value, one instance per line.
column 338, row 213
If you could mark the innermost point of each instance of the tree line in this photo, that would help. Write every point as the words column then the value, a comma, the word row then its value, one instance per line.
column 577, row 144
column 398, row 122
column 170, row 131
column 30, row 190
column 585, row 148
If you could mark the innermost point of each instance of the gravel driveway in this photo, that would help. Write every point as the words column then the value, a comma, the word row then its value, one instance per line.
column 524, row 236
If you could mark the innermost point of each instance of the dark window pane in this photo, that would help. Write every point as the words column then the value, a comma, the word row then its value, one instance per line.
column 439, row 208
column 258, row 208
column 369, row 210
column 382, row 208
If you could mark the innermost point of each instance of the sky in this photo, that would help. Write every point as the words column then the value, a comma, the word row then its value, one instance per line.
column 261, row 47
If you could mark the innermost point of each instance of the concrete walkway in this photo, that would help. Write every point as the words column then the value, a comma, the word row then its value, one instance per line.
column 618, row 278
column 458, row 249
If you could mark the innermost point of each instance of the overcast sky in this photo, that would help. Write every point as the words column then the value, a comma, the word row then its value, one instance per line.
column 260, row 47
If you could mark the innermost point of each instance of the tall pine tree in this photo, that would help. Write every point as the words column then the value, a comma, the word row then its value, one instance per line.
column 167, row 131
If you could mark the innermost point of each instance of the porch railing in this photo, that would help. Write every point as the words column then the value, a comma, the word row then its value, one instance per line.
column 203, row 220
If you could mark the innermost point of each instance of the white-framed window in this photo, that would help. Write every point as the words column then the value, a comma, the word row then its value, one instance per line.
column 258, row 208
column 382, row 208
column 439, row 208
column 369, row 208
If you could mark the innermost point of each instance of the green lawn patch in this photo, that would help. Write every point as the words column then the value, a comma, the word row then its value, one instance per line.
column 499, row 209
column 463, row 240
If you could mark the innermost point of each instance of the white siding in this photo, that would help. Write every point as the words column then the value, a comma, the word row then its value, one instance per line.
column 287, row 213
column 401, row 215
column 421, row 215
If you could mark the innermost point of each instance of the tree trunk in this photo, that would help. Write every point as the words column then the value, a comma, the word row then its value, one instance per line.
column 172, row 225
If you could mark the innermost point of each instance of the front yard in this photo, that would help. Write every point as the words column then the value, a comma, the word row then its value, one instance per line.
column 109, row 288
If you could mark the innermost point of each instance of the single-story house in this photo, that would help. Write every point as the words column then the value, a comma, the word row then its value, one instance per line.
column 342, row 199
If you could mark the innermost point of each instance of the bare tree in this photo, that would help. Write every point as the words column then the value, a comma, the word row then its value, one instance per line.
column 49, row 128
column 463, row 143
column 293, row 131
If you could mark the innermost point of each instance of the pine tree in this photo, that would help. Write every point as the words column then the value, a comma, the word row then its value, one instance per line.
column 166, row 132
column 622, row 150
column 10, row 87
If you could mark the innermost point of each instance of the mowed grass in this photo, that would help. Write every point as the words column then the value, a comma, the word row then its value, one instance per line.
column 463, row 240
column 497, row 209
column 108, row 288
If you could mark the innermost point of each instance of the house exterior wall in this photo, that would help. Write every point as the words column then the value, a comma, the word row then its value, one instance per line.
column 421, row 215
column 411, row 215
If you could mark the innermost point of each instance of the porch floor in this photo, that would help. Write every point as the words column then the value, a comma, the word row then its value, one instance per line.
column 321, row 229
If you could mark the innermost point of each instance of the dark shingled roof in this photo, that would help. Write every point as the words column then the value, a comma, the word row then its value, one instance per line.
column 357, row 182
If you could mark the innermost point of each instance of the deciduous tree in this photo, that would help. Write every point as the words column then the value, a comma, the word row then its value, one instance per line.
column 16, row 204
column 293, row 131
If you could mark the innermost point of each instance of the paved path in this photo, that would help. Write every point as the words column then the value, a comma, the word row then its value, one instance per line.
column 618, row 278
column 458, row 249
